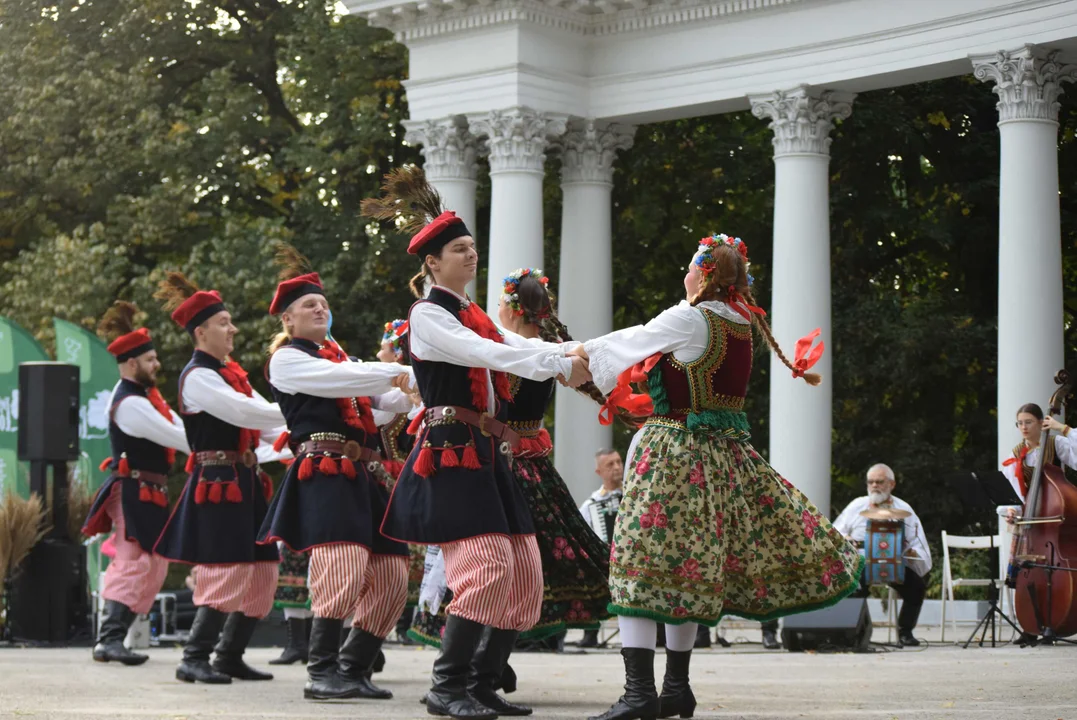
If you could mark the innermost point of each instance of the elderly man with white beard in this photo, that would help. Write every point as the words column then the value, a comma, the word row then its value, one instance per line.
column 853, row 525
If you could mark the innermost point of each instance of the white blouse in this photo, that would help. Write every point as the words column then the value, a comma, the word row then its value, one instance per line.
column 1065, row 451
column 438, row 336
column 681, row 330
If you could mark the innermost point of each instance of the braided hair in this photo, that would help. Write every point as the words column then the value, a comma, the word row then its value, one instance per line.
column 729, row 277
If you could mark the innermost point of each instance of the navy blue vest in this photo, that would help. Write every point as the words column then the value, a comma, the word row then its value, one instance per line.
column 142, row 454
column 204, row 431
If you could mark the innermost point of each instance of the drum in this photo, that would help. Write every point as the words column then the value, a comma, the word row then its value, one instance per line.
column 884, row 543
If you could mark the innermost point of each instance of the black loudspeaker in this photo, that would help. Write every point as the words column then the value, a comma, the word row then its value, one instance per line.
column 48, row 411
column 845, row 626
column 49, row 602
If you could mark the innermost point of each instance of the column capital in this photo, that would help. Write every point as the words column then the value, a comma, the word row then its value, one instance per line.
column 1027, row 81
column 802, row 118
column 589, row 149
column 517, row 137
column 449, row 149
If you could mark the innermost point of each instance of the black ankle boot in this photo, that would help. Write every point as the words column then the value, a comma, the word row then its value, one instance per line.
column 298, row 636
column 356, row 663
column 110, row 647
column 640, row 701
column 770, row 635
column 488, row 664
column 324, row 682
column 676, row 697
column 204, row 631
column 449, row 695
column 234, row 639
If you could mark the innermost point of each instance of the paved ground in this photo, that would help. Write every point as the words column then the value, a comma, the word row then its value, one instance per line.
column 741, row 682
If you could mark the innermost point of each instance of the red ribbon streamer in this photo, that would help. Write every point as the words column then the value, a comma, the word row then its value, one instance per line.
column 741, row 306
column 638, row 404
column 804, row 355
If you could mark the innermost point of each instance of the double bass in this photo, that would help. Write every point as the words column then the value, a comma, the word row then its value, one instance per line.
column 1043, row 561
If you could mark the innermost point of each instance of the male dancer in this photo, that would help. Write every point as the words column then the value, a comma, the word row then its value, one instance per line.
column 144, row 434
column 216, row 519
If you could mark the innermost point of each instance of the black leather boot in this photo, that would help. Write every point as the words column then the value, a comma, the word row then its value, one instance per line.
column 489, row 662
column 110, row 647
column 237, row 633
column 677, row 697
column 298, row 637
column 703, row 637
column 204, row 631
column 770, row 635
column 449, row 695
column 324, row 682
column 640, row 701
column 356, row 663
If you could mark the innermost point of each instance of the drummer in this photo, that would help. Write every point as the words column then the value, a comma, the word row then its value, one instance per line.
column 853, row 525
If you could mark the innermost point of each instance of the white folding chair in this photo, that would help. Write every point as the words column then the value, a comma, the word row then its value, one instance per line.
column 949, row 582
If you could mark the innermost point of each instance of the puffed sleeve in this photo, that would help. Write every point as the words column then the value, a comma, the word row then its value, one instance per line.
column 614, row 353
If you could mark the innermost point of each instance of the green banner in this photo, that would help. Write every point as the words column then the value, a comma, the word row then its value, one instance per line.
column 16, row 346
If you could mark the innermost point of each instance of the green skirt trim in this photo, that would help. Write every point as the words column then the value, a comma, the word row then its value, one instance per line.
column 281, row 604
column 845, row 592
column 424, row 639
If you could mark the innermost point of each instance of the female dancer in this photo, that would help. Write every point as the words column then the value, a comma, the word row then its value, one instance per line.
column 706, row 526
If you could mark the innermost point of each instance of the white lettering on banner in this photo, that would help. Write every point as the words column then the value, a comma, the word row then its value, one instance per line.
column 93, row 416
column 9, row 412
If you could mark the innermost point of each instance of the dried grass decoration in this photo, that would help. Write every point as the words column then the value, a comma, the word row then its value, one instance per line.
column 79, row 502
column 22, row 526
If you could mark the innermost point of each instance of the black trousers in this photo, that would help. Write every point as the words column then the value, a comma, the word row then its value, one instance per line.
column 911, row 592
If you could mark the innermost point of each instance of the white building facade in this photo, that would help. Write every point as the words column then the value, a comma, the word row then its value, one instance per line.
column 518, row 79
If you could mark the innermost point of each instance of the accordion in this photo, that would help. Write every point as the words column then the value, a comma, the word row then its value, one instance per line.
column 602, row 515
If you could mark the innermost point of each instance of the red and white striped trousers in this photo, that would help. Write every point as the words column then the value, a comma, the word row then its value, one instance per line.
column 134, row 576
column 335, row 579
column 384, row 595
column 496, row 580
column 238, row 587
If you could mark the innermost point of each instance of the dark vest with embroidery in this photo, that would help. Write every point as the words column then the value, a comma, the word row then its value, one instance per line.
column 527, row 416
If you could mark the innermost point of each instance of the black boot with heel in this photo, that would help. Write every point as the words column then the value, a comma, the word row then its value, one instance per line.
column 640, row 701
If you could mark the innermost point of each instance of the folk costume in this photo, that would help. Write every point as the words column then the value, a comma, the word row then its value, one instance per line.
column 331, row 501
column 217, row 516
column 293, row 599
column 706, row 527
column 457, row 489
column 145, row 434
column 1061, row 451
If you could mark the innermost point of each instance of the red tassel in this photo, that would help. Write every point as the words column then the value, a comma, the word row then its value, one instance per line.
column 448, row 458
column 283, row 439
column 232, row 492
column 267, row 485
column 144, row 494
column 348, row 468
column 328, row 466
column 471, row 458
column 189, row 467
column 170, row 456
column 159, row 498
column 306, row 468
column 123, row 469
column 416, row 422
column 215, row 492
column 104, row 465
column 200, row 493
column 424, row 464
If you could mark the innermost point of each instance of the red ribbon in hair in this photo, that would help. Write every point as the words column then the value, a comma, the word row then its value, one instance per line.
column 236, row 377
column 637, row 404
column 1019, row 472
column 804, row 355
column 741, row 306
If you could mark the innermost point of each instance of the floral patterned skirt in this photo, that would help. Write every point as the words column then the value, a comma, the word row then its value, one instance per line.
column 292, row 589
column 708, row 528
column 575, row 561
column 427, row 628
column 416, row 558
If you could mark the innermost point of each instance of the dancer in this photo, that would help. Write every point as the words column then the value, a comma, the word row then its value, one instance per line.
column 215, row 521
column 456, row 489
column 293, row 599
column 706, row 526
column 144, row 433
column 329, row 503
column 575, row 561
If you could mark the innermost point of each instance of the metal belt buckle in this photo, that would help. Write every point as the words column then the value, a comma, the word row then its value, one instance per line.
column 352, row 450
column 222, row 455
column 505, row 448
column 135, row 474
column 483, row 417
column 249, row 458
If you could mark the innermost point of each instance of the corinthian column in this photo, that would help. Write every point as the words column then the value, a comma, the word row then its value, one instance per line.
column 800, row 415
column 517, row 139
column 1030, row 351
column 585, row 287
column 449, row 153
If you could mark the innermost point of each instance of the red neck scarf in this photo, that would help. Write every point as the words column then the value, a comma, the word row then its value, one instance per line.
column 236, row 377
column 355, row 412
column 474, row 319
column 1018, row 459
column 161, row 406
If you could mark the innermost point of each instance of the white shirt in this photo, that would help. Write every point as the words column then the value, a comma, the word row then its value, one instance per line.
column 1065, row 451
column 437, row 336
column 681, row 330
column 853, row 525
column 292, row 371
column 204, row 390
column 137, row 417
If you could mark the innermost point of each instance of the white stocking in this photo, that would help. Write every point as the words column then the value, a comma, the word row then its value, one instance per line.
column 681, row 638
column 294, row 612
column 638, row 632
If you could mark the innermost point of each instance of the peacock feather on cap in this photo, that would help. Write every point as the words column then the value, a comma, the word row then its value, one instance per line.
column 406, row 194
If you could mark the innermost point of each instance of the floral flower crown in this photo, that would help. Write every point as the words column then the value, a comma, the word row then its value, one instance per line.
column 705, row 260
column 394, row 333
column 512, row 283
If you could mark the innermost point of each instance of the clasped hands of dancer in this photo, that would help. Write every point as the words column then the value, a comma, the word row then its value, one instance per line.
column 581, row 370
column 403, row 383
